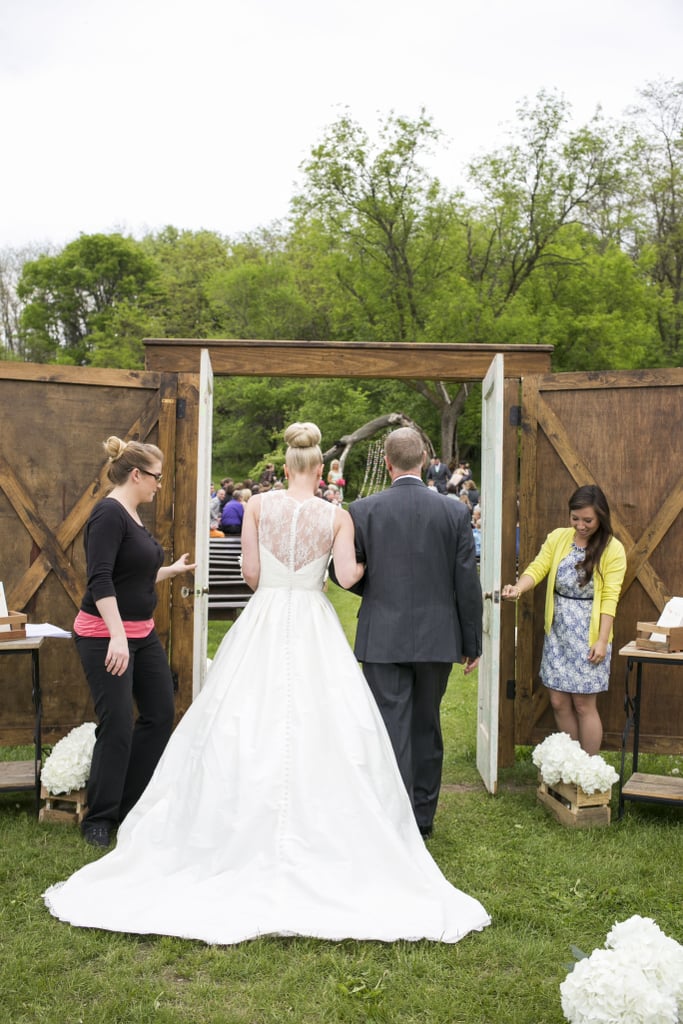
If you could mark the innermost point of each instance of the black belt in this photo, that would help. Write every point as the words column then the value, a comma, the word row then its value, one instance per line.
column 570, row 598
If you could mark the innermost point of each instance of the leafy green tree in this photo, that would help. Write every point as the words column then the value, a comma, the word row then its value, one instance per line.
column 73, row 298
column 177, row 300
column 548, row 177
column 382, row 225
column 657, row 196
column 257, row 294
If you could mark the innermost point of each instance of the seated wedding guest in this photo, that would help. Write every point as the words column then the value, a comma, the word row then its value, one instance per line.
column 476, row 530
column 215, row 510
column 232, row 515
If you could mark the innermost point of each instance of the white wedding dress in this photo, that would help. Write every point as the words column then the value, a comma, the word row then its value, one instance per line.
column 277, row 807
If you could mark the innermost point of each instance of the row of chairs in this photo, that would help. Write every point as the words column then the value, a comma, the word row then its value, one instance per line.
column 228, row 593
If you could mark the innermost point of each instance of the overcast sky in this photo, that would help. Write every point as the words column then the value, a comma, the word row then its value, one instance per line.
column 134, row 114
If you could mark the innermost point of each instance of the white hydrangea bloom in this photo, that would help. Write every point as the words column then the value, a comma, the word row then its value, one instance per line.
column 636, row 979
column 608, row 987
column 68, row 766
column 660, row 957
column 559, row 758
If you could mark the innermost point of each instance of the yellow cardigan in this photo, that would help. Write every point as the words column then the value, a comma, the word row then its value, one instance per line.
column 606, row 583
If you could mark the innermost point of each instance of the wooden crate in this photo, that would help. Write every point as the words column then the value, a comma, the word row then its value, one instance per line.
column 671, row 644
column 17, row 626
column 70, row 808
column 573, row 807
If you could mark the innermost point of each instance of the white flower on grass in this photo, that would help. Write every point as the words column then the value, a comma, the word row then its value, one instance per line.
column 637, row 979
column 559, row 758
column 68, row 766
column 608, row 987
column 660, row 957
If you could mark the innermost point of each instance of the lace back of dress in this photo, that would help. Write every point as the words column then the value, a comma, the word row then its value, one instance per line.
column 296, row 533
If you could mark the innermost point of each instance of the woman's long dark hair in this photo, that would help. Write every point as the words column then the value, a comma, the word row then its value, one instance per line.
column 583, row 497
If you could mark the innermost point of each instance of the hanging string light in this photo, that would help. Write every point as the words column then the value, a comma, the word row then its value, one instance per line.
column 375, row 478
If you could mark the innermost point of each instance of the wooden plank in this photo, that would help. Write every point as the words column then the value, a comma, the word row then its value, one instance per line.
column 573, row 796
column 185, row 499
column 595, row 381
column 83, row 375
column 582, row 474
column 529, row 542
column 506, row 706
column 16, row 775
column 21, row 593
column 397, row 360
column 583, row 817
column 641, row 786
column 165, row 504
column 639, row 553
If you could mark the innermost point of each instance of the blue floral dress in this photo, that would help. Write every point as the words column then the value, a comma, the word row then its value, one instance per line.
column 565, row 665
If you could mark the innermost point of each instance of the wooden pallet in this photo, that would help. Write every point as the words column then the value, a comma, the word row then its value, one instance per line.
column 653, row 788
column 70, row 808
column 572, row 807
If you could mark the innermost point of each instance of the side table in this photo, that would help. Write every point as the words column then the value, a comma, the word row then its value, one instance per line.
column 661, row 789
column 21, row 775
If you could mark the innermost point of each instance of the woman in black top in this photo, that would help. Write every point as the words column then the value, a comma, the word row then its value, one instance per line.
column 121, row 653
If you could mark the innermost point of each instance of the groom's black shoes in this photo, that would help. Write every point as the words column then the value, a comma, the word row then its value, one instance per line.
column 97, row 835
column 425, row 831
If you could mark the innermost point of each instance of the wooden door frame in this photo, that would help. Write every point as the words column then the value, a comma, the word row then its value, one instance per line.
column 401, row 361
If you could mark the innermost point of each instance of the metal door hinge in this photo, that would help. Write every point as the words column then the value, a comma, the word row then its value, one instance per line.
column 515, row 415
column 511, row 689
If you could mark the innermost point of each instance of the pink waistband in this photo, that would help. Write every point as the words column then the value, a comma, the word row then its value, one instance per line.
column 92, row 625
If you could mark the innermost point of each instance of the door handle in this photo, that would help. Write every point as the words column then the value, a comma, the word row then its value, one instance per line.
column 492, row 596
column 193, row 591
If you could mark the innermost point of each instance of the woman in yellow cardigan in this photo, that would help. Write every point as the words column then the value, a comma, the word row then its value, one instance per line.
column 585, row 565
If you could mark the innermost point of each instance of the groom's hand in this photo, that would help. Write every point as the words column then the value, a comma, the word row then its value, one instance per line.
column 469, row 664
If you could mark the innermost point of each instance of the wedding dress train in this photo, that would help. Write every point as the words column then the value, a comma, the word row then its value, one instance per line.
column 277, row 807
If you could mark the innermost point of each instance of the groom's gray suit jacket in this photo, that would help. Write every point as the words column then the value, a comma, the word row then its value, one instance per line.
column 421, row 594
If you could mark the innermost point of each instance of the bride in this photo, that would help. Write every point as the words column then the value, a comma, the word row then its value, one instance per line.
column 277, row 807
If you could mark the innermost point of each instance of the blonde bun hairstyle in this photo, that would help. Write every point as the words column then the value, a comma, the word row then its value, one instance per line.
column 303, row 447
column 127, row 455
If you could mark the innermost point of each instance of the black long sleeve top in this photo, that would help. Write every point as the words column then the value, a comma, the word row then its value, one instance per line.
column 123, row 560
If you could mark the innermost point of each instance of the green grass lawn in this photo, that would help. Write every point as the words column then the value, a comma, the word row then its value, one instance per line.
column 545, row 886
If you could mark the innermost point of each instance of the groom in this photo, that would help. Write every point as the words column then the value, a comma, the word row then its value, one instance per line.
column 421, row 611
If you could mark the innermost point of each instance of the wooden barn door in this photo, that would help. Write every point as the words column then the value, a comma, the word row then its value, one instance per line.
column 52, row 472
column 622, row 431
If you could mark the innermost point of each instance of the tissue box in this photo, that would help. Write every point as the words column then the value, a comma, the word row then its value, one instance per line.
column 669, row 638
column 17, row 626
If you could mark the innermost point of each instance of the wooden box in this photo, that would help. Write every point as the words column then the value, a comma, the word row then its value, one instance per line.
column 17, row 626
column 67, row 807
column 671, row 643
column 573, row 807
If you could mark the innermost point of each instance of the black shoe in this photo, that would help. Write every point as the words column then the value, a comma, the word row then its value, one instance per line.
column 97, row 835
column 425, row 831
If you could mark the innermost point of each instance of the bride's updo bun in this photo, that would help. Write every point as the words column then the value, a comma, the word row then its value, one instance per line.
column 303, row 447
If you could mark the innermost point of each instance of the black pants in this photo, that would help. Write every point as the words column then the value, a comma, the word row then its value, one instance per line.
column 409, row 698
column 126, row 753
